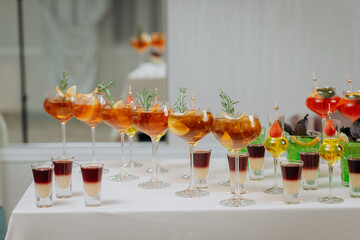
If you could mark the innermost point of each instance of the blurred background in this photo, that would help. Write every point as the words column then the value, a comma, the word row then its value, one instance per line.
column 254, row 50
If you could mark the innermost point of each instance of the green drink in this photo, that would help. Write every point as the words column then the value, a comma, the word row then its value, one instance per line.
column 298, row 143
column 350, row 148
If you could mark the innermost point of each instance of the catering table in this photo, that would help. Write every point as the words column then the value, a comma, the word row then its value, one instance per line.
column 128, row 212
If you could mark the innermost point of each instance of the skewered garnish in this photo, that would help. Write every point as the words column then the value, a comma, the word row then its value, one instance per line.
column 146, row 96
column 129, row 99
column 105, row 88
column 180, row 104
column 275, row 130
column 228, row 105
column 329, row 128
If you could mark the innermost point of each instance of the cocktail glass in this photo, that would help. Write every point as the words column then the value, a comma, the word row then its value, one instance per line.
column 191, row 126
column 87, row 109
column 235, row 133
column 59, row 106
column 275, row 146
column 141, row 43
column 130, row 132
column 319, row 101
column 291, row 175
column 63, row 173
column 354, row 173
column 153, row 122
column 298, row 142
column 349, row 105
column 310, row 158
column 117, row 114
column 42, row 173
column 331, row 151
column 350, row 148
column 92, row 176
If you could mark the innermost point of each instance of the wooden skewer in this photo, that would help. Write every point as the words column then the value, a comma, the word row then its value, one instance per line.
column 193, row 100
column 156, row 97
column 315, row 79
column 276, row 108
column 130, row 90
column 349, row 81
column 329, row 112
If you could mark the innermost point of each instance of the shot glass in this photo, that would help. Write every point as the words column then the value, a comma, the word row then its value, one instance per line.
column 354, row 175
column 243, row 160
column 92, row 175
column 42, row 173
column 291, row 174
column 201, row 167
column 256, row 161
column 63, row 172
column 310, row 158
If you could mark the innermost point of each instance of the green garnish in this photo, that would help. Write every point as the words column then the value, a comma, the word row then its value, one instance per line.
column 180, row 102
column 227, row 103
column 64, row 81
column 146, row 96
column 105, row 88
column 327, row 92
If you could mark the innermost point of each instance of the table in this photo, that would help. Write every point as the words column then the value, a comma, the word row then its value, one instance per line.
column 129, row 212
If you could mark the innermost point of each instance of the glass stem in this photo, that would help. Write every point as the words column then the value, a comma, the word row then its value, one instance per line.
column 191, row 150
column 93, row 143
column 123, row 161
column 157, row 156
column 154, row 156
column 275, row 172
column 331, row 168
column 237, row 193
column 131, row 139
column 63, row 133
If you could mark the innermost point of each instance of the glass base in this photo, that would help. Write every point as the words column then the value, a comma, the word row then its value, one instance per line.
column 133, row 164
column 105, row 170
column 123, row 177
column 185, row 176
column 158, row 170
column 330, row 200
column 237, row 202
column 154, row 184
column 274, row 190
column 225, row 183
column 192, row 193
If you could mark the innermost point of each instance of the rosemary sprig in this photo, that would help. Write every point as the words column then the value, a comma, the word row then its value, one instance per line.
column 105, row 88
column 64, row 81
column 227, row 103
column 146, row 96
column 180, row 102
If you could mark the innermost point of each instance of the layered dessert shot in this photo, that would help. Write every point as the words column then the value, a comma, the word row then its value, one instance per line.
column 256, row 161
column 92, row 175
column 63, row 172
column 201, row 160
column 354, row 176
column 243, row 160
column 291, row 174
column 43, row 184
column 310, row 169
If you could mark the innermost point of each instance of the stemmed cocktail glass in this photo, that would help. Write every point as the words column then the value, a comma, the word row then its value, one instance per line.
column 58, row 104
column 141, row 43
column 117, row 114
column 191, row 125
column 151, row 117
column 331, row 151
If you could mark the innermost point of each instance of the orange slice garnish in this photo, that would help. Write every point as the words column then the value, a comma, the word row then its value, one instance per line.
column 308, row 144
column 226, row 140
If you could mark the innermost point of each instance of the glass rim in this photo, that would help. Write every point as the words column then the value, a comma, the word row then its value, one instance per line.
column 232, row 154
column 46, row 164
column 197, row 108
column 353, row 157
column 292, row 161
column 203, row 150
column 97, row 164
column 311, row 150
column 63, row 157
column 219, row 115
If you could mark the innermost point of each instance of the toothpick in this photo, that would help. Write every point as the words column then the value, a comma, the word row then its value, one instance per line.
column 130, row 90
column 276, row 108
column 329, row 112
column 193, row 100
column 349, row 81
column 315, row 79
column 156, row 97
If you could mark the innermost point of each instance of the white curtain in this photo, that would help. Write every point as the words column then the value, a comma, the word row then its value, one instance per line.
column 72, row 33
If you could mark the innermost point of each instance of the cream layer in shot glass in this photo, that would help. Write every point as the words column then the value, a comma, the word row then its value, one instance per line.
column 43, row 184
column 310, row 169
column 291, row 175
column 92, row 176
column 256, row 161
column 354, row 176
column 243, row 160
column 201, row 167
column 63, row 172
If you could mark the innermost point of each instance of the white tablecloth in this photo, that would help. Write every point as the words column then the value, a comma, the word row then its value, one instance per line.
column 129, row 212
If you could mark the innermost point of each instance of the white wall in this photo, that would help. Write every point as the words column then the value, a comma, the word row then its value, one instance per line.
column 257, row 50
